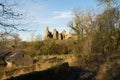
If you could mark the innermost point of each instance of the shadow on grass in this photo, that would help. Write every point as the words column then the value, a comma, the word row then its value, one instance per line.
column 60, row 72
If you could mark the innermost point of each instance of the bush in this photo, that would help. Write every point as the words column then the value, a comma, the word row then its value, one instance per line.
column 110, row 70
column 59, row 49
column 50, row 47
column 112, row 73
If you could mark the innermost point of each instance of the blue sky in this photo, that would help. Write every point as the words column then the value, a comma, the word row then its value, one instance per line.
column 52, row 13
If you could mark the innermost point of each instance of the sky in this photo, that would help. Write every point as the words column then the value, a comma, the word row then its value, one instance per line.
column 52, row 13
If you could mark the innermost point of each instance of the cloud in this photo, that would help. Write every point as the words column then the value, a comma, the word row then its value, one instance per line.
column 62, row 14
column 43, row 21
column 54, row 18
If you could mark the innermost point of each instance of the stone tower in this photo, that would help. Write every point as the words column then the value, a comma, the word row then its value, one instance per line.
column 63, row 34
column 46, row 33
column 55, row 34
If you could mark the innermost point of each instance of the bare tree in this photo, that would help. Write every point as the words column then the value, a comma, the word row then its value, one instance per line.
column 16, row 39
column 81, row 23
column 38, row 37
column 7, row 17
column 102, row 30
column 110, row 3
column 7, row 20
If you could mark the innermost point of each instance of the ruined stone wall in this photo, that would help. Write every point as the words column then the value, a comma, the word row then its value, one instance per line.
column 56, row 35
column 63, row 34
column 48, row 34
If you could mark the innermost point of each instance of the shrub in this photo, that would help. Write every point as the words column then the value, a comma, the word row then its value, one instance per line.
column 109, row 71
column 59, row 49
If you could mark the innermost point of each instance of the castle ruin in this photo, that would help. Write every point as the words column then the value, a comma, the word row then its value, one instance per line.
column 55, row 35
column 48, row 34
